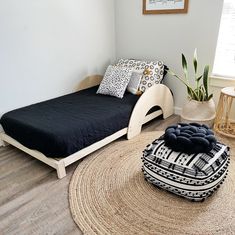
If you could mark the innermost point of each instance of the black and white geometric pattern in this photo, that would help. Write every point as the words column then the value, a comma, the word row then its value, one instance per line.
column 115, row 81
column 153, row 71
column 194, row 176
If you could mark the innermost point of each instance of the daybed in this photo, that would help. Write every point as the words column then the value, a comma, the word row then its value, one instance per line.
column 61, row 131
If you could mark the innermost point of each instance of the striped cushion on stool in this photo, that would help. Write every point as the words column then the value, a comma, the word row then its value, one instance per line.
column 193, row 176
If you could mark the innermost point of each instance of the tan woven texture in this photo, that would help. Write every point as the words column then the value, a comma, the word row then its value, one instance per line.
column 108, row 195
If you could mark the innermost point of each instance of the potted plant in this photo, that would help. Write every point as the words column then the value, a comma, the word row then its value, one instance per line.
column 200, row 106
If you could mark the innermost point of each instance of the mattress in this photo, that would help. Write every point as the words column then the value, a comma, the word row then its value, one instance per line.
column 65, row 125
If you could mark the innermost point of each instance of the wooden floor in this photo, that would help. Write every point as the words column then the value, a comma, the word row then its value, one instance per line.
column 33, row 200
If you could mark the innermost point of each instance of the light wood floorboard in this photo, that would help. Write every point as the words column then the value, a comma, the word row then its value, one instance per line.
column 33, row 200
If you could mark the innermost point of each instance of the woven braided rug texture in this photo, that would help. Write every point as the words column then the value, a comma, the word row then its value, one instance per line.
column 108, row 195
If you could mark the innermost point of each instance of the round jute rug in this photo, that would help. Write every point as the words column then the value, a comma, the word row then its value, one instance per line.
column 108, row 195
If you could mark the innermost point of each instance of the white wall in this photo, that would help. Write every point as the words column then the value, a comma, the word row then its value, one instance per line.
column 47, row 46
column 165, row 37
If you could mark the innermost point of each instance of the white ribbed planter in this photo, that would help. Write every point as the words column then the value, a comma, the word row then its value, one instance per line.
column 200, row 112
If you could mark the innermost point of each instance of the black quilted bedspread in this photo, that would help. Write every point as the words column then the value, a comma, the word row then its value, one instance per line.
column 62, row 126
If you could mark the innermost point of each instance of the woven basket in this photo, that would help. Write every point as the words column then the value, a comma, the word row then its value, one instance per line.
column 200, row 112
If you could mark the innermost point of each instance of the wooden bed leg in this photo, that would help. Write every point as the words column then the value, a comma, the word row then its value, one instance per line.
column 3, row 143
column 61, row 173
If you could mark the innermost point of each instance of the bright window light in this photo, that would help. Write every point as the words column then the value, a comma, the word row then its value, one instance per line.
column 224, row 65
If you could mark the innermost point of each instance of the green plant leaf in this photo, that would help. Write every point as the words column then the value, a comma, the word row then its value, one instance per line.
column 182, row 80
column 210, row 96
column 205, row 79
column 194, row 94
column 190, row 91
column 185, row 67
column 195, row 61
column 199, row 78
column 200, row 93
column 173, row 74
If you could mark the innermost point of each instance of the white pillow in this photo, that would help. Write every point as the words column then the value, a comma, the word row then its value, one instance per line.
column 153, row 71
column 134, row 84
column 115, row 81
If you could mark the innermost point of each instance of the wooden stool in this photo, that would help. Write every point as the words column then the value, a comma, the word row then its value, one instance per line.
column 223, row 123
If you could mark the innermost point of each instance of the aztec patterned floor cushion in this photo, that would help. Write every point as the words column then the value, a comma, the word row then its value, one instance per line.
column 193, row 176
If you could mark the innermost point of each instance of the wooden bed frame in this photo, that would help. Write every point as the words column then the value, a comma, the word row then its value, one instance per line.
column 157, row 95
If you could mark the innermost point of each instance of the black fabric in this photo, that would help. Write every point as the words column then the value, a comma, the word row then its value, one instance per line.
column 190, row 138
column 62, row 126
column 165, row 71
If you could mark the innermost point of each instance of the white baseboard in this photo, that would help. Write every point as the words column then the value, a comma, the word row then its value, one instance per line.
column 177, row 110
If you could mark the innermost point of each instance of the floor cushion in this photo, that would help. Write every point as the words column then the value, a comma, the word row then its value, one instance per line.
column 193, row 176
column 190, row 138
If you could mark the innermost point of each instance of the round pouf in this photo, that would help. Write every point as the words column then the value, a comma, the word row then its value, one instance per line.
column 193, row 176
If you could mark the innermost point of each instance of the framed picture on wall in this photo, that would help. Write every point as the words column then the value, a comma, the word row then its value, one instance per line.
column 165, row 6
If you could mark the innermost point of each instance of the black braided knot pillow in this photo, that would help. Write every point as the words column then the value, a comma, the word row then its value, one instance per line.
column 190, row 138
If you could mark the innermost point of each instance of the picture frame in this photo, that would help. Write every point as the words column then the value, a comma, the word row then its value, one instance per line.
column 165, row 6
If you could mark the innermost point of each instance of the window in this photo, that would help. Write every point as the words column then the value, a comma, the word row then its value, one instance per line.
column 224, row 65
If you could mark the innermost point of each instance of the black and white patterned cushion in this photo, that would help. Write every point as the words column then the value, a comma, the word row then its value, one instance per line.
column 153, row 71
column 115, row 81
column 193, row 176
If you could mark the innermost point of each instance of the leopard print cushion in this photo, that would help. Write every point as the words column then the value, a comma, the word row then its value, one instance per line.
column 153, row 71
column 115, row 81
